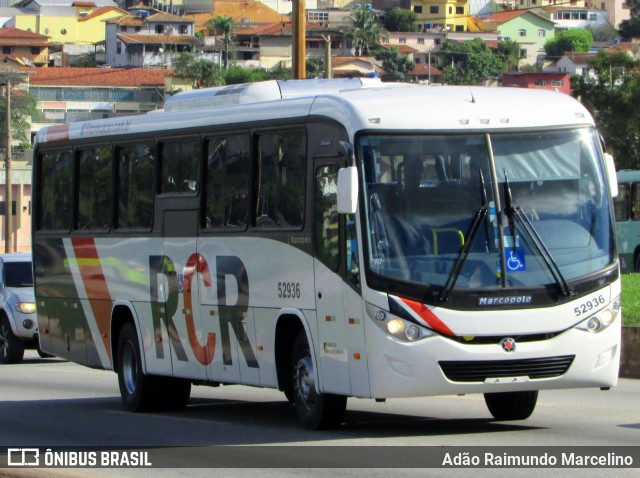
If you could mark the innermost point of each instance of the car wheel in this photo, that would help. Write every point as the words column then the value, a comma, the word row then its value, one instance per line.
column 11, row 347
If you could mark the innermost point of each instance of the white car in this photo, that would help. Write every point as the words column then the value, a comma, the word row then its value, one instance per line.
column 18, row 322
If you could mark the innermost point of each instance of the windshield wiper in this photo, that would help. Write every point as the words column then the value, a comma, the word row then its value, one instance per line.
column 479, row 216
column 516, row 212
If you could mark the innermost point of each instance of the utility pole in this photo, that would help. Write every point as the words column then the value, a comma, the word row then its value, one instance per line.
column 299, row 34
column 8, row 226
column 8, row 78
column 327, row 57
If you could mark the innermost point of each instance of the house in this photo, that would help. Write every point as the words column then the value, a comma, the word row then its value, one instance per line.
column 24, row 48
column 285, row 7
column 62, row 20
column 530, row 30
column 538, row 80
column 570, row 16
column 80, row 94
column 426, row 73
column 244, row 13
column 573, row 63
column 148, row 38
column 441, row 15
column 355, row 67
column 422, row 43
column 269, row 46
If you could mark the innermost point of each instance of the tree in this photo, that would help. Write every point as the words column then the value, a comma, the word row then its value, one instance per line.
column 24, row 109
column 611, row 92
column 573, row 39
column 366, row 31
column 469, row 62
column 400, row 20
column 509, row 51
column 631, row 28
column 396, row 65
column 204, row 73
column 223, row 26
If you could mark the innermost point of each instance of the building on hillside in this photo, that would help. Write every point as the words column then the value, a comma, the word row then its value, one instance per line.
column 7, row 14
column 574, row 63
column 538, row 80
column 285, row 7
column 177, row 7
column 74, row 28
column 422, row 43
column 149, row 38
column 83, row 94
column 355, row 67
column 24, row 48
column 245, row 13
column 569, row 16
column 441, row 15
column 529, row 30
column 269, row 46
column 426, row 73
column 21, row 166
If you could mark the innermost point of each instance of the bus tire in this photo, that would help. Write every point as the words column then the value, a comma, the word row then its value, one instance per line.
column 315, row 410
column 173, row 393
column 636, row 264
column 138, row 391
column 11, row 347
column 511, row 405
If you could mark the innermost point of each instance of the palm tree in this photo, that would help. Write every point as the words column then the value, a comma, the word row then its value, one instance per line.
column 223, row 26
column 509, row 51
column 366, row 31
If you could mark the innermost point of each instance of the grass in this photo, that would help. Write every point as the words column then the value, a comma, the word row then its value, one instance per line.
column 630, row 299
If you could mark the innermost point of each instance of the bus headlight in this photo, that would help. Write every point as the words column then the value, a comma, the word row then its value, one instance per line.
column 398, row 327
column 603, row 319
column 26, row 307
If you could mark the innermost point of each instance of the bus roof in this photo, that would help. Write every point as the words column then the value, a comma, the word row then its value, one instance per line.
column 358, row 104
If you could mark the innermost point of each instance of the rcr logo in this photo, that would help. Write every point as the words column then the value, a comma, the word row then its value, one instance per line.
column 23, row 457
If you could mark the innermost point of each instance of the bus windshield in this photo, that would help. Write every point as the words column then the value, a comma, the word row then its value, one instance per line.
column 486, row 210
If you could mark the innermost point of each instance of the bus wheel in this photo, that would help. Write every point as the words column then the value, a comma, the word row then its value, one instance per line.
column 138, row 391
column 315, row 410
column 11, row 347
column 173, row 393
column 511, row 405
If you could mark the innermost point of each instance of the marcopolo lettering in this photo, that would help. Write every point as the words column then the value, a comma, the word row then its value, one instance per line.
column 506, row 300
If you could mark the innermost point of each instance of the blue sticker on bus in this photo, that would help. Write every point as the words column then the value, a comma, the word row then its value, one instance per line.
column 515, row 260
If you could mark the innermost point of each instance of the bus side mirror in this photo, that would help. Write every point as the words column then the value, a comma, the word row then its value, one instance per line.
column 611, row 173
column 347, row 190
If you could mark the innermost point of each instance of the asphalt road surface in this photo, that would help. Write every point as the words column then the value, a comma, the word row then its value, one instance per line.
column 50, row 403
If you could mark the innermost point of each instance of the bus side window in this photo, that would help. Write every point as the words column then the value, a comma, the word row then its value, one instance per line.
column 635, row 201
column 55, row 174
column 136, row 186
column 281, row 179
column 180, row 165
column 327, row 219
column 227, row 182
column 95, row 188
column 621, row 203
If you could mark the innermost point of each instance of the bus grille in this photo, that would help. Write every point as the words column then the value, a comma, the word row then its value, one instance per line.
column 479, row 371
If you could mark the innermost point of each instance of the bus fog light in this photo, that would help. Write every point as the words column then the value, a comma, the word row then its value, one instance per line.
column 412, row 332
column 395, row 326
column 380, row 315
column 594, row 324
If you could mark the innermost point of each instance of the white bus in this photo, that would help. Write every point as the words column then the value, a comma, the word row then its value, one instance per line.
column 332, row 239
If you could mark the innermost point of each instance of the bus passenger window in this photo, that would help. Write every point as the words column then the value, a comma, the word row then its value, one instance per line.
column 180, row 164
column 281, row 184
column 227, row 182
column 55, row 173
column 95, row 184
column 136, row 172
column 327, row 219
column 621, row 203
column 635, row 202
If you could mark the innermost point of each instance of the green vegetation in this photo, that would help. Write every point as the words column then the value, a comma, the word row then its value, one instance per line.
column 631, row 299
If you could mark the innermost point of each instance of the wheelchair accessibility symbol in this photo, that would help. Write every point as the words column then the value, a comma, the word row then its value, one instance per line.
column 515, row 260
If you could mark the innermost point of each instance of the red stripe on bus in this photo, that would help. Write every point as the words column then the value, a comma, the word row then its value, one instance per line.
column 429, row 317
column 95, row 286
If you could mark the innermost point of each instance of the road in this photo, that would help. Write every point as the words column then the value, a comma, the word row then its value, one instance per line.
column 53, row 403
